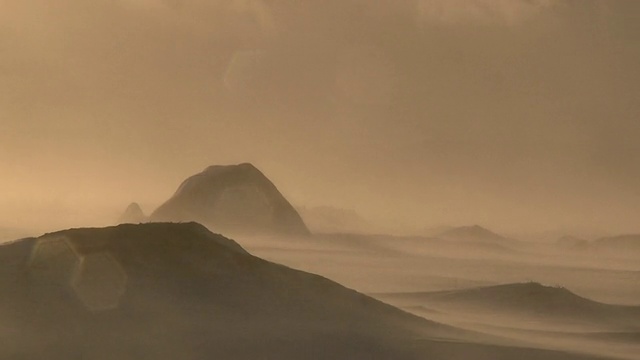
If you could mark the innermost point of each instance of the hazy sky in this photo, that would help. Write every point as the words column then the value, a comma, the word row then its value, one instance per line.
column 516, row 114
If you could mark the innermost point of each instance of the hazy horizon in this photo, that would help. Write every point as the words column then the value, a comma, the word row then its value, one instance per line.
column 521, row 116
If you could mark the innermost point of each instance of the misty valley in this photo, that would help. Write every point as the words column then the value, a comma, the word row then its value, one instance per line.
column 169, row 286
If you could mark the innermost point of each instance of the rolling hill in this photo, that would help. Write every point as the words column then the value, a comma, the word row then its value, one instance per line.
column 177, row 291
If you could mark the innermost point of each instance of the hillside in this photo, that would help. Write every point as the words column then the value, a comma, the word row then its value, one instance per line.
column 183, row 292
column 177, row 291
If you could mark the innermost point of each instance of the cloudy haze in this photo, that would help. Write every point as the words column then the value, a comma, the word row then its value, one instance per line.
column 514, row 114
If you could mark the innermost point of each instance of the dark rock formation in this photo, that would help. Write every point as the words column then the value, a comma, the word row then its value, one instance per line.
column 235, row 199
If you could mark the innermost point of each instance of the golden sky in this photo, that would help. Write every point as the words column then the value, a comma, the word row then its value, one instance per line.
column 515, row 114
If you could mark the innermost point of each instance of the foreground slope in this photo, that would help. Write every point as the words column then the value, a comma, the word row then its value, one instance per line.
column 232, row 198
column 168, row 291
column 177, row 291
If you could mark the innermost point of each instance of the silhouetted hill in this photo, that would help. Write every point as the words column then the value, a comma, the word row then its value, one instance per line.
column 529, row 298
column 132, row 214
column 177, row 291
column 233, row 198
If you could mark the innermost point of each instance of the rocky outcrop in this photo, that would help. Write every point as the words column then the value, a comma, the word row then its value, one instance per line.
column 233, row 199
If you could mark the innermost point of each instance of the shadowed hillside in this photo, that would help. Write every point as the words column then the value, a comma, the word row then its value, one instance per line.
column 476, row 234
column 168, row 291
column 178, row 291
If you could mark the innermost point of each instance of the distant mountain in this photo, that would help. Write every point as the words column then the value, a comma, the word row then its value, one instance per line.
column 232, row 199
column 619, row 243
column 132, row 214
column 525, row 299
column 433, row 231
column 572, row 243
column 476, row 234
column 329, row 219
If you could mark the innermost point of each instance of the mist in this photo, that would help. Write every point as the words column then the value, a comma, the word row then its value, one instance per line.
column 520, row 115
column 345, row 179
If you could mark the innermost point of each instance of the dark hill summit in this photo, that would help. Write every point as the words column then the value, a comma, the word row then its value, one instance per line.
column 235, row 199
